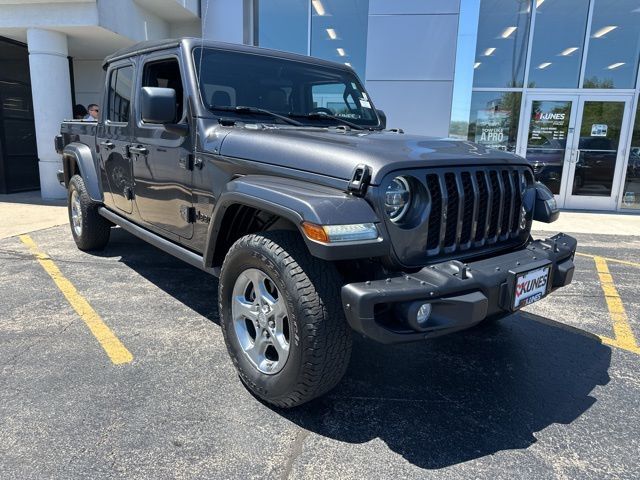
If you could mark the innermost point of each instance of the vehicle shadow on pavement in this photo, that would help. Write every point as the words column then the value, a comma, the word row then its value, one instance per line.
column 437, row 403
column 194, row 288
column 465, row 396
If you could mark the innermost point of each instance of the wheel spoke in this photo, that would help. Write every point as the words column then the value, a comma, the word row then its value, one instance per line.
column 244, row 309
column 279, row 312
column 262, row 293
column 255, row 350
column 281, row 345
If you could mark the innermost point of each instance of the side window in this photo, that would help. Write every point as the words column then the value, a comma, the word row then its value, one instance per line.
column 120, row 88
column 165, row 74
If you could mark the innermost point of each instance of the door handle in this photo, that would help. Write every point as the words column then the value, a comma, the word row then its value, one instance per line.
column 107, row 144
column 139, row 150
column 577, row 157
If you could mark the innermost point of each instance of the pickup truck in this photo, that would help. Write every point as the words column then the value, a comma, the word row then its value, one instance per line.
column 275, row 173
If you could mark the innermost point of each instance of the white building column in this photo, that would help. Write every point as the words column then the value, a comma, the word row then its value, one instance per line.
column 51, row 92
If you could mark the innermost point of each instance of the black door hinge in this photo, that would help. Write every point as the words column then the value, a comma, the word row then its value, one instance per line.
column 188, row 214
column 191, row 162
column 359, row 180
column 128, row 193
column 186, row 162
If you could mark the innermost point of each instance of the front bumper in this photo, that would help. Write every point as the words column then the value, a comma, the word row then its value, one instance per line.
column 461, row 295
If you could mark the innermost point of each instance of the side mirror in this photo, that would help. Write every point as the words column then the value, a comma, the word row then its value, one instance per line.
column 546, row 209
column 158, row 105
column 383, row 118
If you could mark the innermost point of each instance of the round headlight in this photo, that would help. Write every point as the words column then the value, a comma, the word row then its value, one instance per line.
column 397, row 198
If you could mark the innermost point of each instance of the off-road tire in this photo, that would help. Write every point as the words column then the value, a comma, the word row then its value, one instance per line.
column 95, row 229
column 320, row 339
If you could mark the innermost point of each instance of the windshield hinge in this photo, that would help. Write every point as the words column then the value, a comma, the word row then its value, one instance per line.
column 359, row 180
column 227, row 122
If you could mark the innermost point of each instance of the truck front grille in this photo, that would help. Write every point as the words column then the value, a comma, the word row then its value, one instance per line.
column 472, row 208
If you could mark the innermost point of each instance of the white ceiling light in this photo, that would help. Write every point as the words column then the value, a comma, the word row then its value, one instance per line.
column 318, row 7
column 615, row 65
column 489, row 51
column 332, row 33
column 604, row 30
column 544, row 65
column 341, row 51
column 508, row 31
column 568, row 51
column 476, row 65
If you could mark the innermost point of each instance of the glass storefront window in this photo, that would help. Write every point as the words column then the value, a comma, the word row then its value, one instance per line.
column 339, row 32
column 558, row 40
column 614, row 44
column 493, row 120
column 631, row 191
column 284, row 25
column 547, row 140
column 598, row 148
column 501, row 48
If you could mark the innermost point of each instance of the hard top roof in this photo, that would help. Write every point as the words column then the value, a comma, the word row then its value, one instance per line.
column 189, row 42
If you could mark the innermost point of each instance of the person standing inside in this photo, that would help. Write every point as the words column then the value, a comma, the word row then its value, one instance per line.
column 93, row 112
column 79, row 112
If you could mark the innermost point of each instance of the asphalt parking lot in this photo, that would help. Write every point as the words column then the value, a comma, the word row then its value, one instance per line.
column 551, row 392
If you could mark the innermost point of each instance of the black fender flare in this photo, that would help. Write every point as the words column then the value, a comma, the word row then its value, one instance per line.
column 82, row 155
column 298, row 201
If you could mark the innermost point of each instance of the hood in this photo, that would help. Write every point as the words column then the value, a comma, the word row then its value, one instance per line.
column 336, row 152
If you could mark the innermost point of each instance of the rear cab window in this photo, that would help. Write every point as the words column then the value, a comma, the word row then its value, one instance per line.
column 119, row 95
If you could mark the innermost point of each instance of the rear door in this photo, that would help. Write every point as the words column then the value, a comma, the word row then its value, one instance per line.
column 161, row 159
column 113, row 135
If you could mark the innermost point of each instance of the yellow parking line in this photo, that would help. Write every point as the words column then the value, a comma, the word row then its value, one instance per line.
column 615, row 260
column 623, row 334
column 117, row 352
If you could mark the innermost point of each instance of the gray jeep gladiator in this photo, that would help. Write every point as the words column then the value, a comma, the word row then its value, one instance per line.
column 275, row 173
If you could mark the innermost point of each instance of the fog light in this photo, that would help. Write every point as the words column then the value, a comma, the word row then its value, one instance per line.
column 424, row 312
column 523, row 218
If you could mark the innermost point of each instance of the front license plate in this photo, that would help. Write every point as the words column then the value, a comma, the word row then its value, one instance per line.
column 530, row 287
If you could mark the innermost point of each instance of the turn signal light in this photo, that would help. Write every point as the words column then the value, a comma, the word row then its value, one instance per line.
column 315, row 232
column 356, row 232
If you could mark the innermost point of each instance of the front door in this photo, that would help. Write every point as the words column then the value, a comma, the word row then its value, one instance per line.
column 574, row 143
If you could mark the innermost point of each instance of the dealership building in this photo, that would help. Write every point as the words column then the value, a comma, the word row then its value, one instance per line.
column 555, row 81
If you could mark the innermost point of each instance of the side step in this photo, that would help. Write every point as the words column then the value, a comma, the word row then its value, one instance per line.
column 165, row 245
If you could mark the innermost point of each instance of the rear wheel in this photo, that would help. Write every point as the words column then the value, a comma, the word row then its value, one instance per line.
column 90, row 230
column 282, row 319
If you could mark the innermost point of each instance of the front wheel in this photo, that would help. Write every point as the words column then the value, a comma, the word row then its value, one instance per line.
column 282, row 318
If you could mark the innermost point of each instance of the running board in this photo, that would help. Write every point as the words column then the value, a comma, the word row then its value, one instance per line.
column 165, row 245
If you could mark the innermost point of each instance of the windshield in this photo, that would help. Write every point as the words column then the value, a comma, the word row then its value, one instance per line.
column 303, row 91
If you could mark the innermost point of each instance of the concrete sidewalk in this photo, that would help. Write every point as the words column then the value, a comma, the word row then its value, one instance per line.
column 26, row 212
column 594, row 223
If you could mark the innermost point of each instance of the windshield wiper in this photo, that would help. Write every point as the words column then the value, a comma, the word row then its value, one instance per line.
column 318, row 115
column 245, row 109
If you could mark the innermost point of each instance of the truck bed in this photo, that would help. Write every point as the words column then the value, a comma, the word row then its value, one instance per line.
column 78, row 131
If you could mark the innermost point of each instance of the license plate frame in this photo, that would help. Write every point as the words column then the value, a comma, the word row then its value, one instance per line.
column 530, row 281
